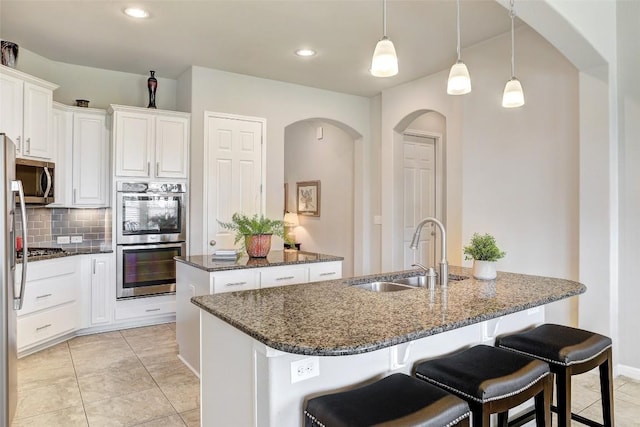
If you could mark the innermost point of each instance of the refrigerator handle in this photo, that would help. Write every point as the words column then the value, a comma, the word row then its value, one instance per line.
column 16, row 186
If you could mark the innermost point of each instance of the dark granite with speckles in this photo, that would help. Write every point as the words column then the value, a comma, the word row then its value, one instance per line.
column 332, row 318
column 205, row 262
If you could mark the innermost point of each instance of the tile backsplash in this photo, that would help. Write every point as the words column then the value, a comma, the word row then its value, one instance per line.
column 45, row 225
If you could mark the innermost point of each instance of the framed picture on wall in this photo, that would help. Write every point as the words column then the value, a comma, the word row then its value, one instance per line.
column 308, row 198
column 286, row 197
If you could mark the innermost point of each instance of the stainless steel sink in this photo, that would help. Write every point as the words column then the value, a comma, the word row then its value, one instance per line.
column 383, row 286
column 415, row 281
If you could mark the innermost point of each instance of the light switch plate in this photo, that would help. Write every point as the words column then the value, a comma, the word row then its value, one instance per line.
column 62, row 240
column 76, row 239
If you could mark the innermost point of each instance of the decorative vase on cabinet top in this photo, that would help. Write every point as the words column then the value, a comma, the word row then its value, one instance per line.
column 258, row 245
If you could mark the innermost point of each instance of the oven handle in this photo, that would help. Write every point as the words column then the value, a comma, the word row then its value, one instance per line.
column 152, row 246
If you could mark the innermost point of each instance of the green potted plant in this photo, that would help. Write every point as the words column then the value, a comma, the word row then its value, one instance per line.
column 255, row 232
column 484, row 252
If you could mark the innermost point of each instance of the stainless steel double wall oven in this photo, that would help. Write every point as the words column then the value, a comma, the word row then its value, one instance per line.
column 151, row 230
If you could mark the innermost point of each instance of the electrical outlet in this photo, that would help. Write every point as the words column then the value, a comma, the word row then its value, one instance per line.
column 304, row 369
column 63, row 240
column 76, row 239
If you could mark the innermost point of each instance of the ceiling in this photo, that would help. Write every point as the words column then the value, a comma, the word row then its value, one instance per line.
column 254, row 37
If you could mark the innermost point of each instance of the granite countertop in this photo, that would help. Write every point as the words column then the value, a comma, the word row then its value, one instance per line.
column 332, row 318
column 275, row 258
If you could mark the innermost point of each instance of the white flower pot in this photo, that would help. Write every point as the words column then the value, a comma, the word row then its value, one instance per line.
column 484, row 270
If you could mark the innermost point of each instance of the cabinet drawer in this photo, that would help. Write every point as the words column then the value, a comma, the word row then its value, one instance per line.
column 235, row 281
column 325, row 271
column 50, row 283
column 44, row 325
column 137, row 308
column 281, row 276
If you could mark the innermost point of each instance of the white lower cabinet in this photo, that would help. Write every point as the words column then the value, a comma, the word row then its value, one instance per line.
column 192, row 281
column 52, row 304
column 138, row 308
column 103, row 291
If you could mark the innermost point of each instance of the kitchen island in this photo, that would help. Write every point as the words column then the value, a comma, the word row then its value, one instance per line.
column 203, row 275
column 264, row 351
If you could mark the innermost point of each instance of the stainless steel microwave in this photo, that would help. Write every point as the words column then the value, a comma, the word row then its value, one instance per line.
column 37, row 180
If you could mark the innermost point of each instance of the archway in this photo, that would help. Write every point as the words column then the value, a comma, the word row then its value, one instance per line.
column 324, row 150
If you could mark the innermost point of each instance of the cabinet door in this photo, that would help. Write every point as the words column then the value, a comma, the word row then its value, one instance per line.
column 38, row 117
column 133, row 144
column 90, row 159
column 11, row 108
column 172, row 147
column 62, row 131
column 102, row 288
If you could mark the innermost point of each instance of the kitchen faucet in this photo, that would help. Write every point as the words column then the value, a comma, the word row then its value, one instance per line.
column 444, row 266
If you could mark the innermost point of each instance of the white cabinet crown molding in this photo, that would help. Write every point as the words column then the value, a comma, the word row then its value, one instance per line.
column 152, row 111
column 27, row 78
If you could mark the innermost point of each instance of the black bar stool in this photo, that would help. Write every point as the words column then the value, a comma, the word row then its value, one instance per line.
column 569, row 351
column 492, row 381
column 397, row 400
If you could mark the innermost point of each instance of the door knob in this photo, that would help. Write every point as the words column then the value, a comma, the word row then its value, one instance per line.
column 212, row 243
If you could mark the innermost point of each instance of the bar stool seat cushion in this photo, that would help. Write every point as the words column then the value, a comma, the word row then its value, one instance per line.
column 561, row 345
column 397, row 400
column 483, row 373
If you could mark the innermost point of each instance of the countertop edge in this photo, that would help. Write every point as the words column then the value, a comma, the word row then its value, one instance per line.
column 344, row 351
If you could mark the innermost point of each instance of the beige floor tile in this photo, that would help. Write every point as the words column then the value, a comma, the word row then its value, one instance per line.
column 95, row 339
column 68, row 417
column 57, row 355
column 172, row 325
column 191, row 418
column 97, row 362
column 53, row 397
column 161, row 361
column 146, row 331
column 171, row 421
column 107, row 384
column 183, row 397
column 629, row 392
column 132, row 409
column 625, row 414
column 41, row 374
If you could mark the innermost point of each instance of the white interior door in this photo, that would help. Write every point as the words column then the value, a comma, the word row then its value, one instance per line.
column 419, row 173
column 233, row 173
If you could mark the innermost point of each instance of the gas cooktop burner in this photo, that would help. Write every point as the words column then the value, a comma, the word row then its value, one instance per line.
column 33, row 252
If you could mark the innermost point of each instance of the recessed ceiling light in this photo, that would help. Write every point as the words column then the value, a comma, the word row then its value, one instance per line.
column 135, row 12
column 305, row 52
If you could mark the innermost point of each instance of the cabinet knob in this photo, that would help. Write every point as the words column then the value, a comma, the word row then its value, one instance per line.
column 212, row 243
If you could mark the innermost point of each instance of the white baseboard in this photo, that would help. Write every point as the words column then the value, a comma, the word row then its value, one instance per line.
column 189, row 366
column 628, row 371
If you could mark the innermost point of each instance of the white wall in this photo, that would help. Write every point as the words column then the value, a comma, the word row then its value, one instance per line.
column 521, row 165
column 329, row 161
column 281, row 104
column 100, row 87
column 629, row 135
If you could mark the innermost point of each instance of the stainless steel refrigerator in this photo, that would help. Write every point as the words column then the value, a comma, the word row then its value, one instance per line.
column 11, row 293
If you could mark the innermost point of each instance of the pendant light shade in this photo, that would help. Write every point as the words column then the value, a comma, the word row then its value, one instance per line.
column 459, row 80
column 385, row 61
column 513, row 95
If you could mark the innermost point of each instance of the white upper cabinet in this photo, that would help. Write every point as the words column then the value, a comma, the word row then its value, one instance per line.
column 150, row 143
column 82, row 167
column 26, row 113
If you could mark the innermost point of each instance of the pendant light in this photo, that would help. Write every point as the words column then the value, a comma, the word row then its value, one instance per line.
column 513, row 95
column 384, row 62
column 459, row 81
